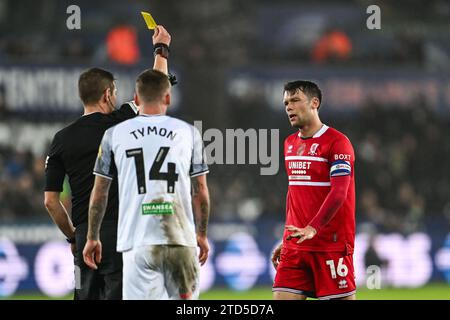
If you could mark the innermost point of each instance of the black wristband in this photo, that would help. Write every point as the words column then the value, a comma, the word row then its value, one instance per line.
column 162, row 49
column 172, row 79
column 71, row 240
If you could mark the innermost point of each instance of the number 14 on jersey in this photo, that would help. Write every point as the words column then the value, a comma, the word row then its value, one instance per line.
column 155, row 171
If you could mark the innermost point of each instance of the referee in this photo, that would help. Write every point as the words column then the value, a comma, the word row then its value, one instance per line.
column 73, row 153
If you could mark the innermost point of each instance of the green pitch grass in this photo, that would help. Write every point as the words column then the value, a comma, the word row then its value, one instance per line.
column 429, row 292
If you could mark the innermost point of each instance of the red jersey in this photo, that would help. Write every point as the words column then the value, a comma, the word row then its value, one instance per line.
column 310, row 163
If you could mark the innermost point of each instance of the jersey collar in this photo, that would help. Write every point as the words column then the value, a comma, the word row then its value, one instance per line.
column 152, row 115
column 88, row 114
column 317, row 134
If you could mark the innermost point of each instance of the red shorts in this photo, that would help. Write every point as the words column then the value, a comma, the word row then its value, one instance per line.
column 323, row 275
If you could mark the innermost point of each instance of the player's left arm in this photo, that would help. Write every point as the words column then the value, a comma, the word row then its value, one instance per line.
column 342, row 160
column 201, row 207
column 200, row 193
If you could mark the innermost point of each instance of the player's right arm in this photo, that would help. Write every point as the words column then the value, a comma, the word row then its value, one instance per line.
column 276, row 255
column 92, row 252
column 103, row 170
column 200, row 203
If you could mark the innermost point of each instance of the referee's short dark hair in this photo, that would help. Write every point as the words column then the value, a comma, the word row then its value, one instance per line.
column 151, row 85
column 310, row 89
column 93, row 83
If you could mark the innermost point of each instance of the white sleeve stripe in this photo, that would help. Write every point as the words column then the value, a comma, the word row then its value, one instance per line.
column 103, row 175
column 320, row 159
column 199, row 173
column 309, row 183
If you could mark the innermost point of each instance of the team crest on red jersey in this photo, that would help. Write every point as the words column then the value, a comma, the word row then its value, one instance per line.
column 313, row 149
column 301, row 149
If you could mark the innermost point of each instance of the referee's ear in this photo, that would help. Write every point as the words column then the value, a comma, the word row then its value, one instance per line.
column 104, row 97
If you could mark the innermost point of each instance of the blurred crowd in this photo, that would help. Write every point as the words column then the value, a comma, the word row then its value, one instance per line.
column 21, row 186
column 229, row 32
column 401, row 173
column 401, row 170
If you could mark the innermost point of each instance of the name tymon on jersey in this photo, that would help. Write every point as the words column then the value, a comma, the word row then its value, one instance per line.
column 163, row 132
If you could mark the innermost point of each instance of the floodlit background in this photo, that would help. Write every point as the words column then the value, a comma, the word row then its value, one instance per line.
column 388, row 90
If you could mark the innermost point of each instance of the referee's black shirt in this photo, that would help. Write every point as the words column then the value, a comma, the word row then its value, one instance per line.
column 73, row 152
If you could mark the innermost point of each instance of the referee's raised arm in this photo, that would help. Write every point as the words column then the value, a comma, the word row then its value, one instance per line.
column 73, row 153
column 161, row 42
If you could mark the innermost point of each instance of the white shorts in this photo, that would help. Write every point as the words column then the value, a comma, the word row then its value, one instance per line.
column 161, row 272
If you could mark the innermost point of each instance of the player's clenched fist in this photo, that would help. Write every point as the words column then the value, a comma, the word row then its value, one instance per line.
column 161, row 36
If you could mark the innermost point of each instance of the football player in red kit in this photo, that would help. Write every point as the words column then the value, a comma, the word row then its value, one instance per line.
column 315, row 258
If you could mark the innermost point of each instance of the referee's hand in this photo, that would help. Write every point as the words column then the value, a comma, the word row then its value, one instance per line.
column 92, row 253
column 161, row 35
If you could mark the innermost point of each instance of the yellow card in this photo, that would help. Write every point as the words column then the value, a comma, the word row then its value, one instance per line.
column 151, row 24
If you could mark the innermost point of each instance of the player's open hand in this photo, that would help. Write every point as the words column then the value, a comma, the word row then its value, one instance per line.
column 202, row 242
column 276, row 255
column 92, row 253
column 302, row 233
column 161, row 35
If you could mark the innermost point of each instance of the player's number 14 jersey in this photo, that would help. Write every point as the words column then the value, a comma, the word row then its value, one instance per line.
column 155, row 156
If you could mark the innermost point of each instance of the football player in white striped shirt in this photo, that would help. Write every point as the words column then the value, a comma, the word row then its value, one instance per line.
column 159, row 159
